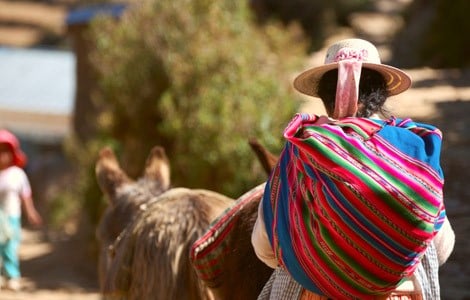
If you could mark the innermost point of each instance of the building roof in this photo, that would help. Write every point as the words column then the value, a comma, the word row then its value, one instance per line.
column 84, row 15
column 37, row 88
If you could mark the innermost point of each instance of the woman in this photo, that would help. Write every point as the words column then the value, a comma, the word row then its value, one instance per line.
column 354, row 209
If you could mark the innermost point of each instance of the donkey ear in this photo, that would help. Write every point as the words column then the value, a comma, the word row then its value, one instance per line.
column 157, row 167
column 266, row 158
column 109, row 174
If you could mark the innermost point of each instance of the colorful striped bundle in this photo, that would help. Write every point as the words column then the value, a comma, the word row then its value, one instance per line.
column 209, row 252
column 353, row 204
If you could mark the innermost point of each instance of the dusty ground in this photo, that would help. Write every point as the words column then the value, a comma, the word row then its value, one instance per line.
column 53, row 269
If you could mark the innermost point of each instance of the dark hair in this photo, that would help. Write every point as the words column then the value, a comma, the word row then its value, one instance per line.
column 372, row 92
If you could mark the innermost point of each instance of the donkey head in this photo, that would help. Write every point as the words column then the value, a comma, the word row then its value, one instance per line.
column 117, row 186
column 126, row 197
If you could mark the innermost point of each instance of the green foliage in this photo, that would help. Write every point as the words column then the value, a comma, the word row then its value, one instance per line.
column 84, row 195
column 61, row 209
column 200, row 79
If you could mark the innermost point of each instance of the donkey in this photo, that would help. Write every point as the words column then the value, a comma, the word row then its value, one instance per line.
column 149, row 257
column 240, row 274
column 147, row 229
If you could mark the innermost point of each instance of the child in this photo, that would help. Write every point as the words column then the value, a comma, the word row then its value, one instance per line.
column 15, row 193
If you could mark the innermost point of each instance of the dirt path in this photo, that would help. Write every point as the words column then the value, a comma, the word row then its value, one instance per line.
column 53, row 270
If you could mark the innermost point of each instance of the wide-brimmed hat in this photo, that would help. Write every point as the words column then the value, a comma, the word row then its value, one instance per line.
column 19, row 158
column 396, row 80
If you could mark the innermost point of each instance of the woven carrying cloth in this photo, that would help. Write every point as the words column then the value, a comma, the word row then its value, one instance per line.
column 352, row 205
column 208, row 252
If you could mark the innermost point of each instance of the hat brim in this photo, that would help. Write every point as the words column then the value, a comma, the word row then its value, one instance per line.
column 396, row 80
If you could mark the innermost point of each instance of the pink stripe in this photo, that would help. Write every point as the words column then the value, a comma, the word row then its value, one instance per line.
column 299, row 232
column 434, row 198
column 311, row 263
column 325, row 226
column 367, row 247
column 431, row 195
column 224, row 221
column 316, row 262
column 380, row 206
column 430, row 176
column 405, row 161
column 381, row 209
column 315, row 267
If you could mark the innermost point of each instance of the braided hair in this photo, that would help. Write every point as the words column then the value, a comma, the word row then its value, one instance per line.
column 372, row 92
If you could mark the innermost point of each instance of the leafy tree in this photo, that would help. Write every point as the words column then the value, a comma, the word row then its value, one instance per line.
column 200, row 79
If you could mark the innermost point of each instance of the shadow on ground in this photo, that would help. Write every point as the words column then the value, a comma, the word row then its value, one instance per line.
column 57, row 265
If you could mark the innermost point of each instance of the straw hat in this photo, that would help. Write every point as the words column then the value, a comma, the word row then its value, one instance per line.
column 19, row 158
column 397, row 81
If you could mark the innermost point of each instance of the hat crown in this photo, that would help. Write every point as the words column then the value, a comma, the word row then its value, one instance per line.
column 397, row 81
column 19, row 158
column 8, row 138
column 356, row 49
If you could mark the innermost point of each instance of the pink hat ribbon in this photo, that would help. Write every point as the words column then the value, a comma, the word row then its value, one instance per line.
column 349, row 73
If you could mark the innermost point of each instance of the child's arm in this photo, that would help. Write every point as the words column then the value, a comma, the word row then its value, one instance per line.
column 31, row 213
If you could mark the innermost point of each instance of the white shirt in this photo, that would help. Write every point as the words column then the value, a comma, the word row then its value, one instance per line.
column 14, row 184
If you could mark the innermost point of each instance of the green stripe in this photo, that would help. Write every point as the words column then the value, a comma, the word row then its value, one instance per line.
column 308, row 219
column 375, row 187
column 333, row 268
column 421, row 201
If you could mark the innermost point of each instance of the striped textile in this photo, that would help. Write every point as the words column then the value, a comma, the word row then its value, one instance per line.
column 208, row 252
column 352, row 205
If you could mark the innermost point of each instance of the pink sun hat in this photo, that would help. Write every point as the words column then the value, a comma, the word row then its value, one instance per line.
column 397, row 81
column 19, row 158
